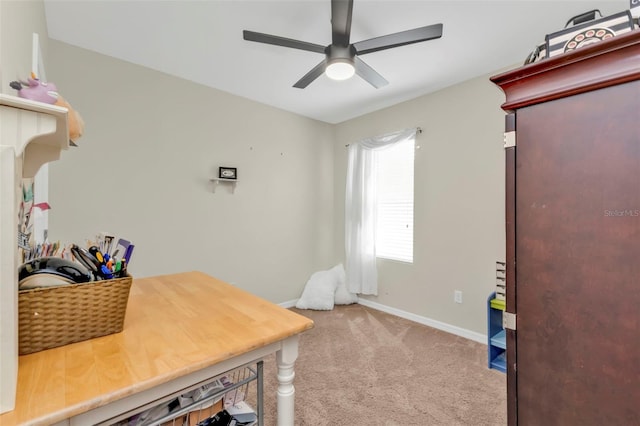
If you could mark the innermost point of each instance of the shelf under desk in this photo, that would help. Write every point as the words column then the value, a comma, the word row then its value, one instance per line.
column 179, row 329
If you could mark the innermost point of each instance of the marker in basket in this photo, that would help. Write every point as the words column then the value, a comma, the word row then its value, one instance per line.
column 106, row 273
column 123, row 268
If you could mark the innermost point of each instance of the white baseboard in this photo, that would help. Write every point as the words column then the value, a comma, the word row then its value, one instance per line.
column 458, row 331
column 289, row 304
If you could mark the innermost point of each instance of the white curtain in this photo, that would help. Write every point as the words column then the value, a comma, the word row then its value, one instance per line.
column 360, row 211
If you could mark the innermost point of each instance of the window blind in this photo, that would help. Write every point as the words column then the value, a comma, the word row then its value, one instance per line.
column 394, row 222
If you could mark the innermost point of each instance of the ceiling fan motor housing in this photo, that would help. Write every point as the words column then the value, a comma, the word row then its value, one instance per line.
column 340, row 53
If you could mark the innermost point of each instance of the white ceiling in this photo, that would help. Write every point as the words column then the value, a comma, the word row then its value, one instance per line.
column 202, row 41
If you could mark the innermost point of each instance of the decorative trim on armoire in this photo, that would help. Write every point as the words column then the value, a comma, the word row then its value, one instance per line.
column 31, row 134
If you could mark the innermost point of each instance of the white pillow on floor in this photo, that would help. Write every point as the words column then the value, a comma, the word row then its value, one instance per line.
column 319, row 291
column 342, row 295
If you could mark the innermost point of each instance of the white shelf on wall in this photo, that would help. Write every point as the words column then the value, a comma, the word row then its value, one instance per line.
column 31, row 134
column 217, row 181
column 35, row 129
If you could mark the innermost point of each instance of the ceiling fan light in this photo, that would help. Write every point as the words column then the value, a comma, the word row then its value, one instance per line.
column 340, row 70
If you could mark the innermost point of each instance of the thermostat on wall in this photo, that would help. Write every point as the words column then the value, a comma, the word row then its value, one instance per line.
column 228, row 173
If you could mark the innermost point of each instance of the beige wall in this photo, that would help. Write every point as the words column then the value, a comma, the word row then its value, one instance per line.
column 152, row 143
column 459, row 202
column 142, row 170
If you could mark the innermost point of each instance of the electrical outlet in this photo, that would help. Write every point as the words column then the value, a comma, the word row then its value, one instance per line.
column 457, row 296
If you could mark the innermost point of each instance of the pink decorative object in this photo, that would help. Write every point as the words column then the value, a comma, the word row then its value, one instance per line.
column 34, row 90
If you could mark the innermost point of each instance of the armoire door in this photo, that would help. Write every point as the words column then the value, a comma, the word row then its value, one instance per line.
column 577, row 251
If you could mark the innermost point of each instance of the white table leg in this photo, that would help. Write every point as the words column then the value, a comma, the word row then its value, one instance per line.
column 285, row 358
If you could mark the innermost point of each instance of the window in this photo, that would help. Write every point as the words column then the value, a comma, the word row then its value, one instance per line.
column 394, row 223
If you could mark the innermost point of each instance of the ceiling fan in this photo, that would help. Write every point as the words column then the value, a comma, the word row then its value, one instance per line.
column 341, row 56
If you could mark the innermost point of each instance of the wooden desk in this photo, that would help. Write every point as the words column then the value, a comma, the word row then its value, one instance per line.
column 179, row 330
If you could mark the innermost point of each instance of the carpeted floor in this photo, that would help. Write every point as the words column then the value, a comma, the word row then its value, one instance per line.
column 360, row 366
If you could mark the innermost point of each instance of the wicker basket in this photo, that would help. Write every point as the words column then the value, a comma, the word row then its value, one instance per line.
column 57, row 316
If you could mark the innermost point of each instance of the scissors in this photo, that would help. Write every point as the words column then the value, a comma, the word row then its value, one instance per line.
column 93, row 260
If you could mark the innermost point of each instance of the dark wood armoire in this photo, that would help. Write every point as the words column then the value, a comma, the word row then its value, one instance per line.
column 572, row 145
